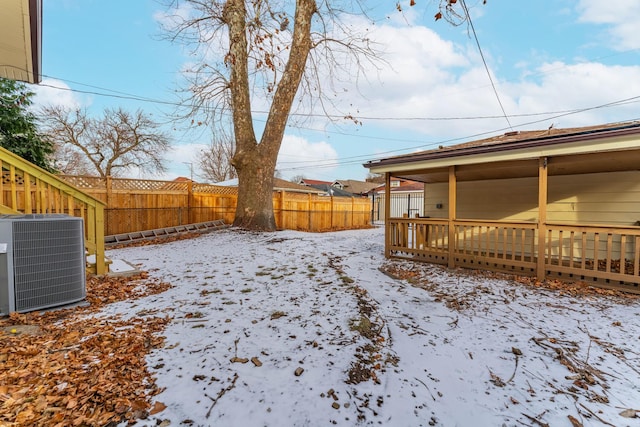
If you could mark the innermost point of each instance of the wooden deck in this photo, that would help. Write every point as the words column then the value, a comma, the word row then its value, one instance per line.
column 606, row 256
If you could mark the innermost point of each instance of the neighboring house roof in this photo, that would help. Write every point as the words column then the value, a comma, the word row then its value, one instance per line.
column 330, row 190
column 281, row 184
column 278, row 185
column 305, row 181
column 405, row 186
column 516, row 154
column 21, row 35
column 355, row 187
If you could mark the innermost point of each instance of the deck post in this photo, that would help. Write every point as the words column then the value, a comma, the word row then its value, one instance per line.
column 542, row 216
column 387, row 214
column 453, row 195
column 99, row 237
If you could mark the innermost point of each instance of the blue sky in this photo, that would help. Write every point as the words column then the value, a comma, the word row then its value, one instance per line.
column 547, row 59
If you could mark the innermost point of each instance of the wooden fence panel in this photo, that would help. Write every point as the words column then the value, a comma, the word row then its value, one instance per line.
column 137, row 205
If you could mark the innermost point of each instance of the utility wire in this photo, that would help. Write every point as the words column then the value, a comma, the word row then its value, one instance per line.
column 448, row 141
column 555, row 114
column 486, row 67
column 332, row 116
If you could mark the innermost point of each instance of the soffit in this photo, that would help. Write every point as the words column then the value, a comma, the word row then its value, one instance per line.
column 601, row 162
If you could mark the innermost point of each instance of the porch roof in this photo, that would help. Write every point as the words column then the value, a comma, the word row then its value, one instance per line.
column 21, row 40
column 603, row 148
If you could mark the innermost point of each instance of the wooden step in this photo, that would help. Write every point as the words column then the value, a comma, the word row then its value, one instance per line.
column 127, row 238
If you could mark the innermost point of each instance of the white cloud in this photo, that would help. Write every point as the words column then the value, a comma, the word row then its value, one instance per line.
column 621, row 16
column 56, row 93
column 181, row 159
column 301, row 157
column 574, row 86
column 173, row 16
column 297, row 156
column 429, row 77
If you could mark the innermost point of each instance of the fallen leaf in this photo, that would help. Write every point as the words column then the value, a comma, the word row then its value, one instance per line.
column 629, row 413
column 157, row 407
column 574, row 421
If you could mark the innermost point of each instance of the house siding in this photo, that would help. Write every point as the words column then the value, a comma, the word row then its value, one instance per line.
column 606, row 198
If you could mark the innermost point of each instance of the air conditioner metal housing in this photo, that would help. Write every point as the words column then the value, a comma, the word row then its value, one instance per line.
column 42, row 262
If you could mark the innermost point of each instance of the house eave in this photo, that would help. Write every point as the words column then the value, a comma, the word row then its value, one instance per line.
column 617, row 138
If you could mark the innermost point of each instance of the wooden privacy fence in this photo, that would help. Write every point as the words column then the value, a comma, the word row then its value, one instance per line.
column 138, row 204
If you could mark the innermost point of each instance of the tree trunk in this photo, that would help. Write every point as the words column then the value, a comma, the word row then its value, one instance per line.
column 255, row 163
column 255, row 192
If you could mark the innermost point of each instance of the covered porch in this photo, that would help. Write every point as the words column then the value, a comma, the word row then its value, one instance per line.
column 552, row 205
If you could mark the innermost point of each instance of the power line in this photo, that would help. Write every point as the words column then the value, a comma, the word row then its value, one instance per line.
column 477, row 135
column 124, row 95
column 554, row 114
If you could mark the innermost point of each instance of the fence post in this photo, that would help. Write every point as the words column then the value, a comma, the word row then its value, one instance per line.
column 310, row 213
column 373, row 206
column 331, row 226
column 109, row 188
column 282, row 198
column 189, row 202
column 353, row 206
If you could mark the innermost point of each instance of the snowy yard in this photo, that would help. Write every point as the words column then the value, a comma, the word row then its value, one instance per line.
column 299, row 329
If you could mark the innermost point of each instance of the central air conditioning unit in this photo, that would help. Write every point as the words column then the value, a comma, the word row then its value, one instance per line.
column 42, row 262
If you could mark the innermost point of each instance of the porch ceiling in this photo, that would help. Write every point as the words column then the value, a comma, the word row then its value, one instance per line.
column 20, row 40
column 610, row 161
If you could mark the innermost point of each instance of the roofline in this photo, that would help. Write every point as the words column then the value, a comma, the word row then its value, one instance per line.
column 586, row 135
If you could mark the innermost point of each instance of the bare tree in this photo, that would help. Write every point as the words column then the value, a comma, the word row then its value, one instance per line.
column 215, row 161
column 112, row 145
column 69, row 161
column 297, row 178
column 262, row 52
column 377, row 178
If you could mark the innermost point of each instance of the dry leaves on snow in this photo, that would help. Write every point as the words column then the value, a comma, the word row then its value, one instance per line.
column 66, row 367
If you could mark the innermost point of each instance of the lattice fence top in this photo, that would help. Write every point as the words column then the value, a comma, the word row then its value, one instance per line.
column 94, row 182
column 147, row 185
column 214, row 189
column 79, row 181
column 130, row 184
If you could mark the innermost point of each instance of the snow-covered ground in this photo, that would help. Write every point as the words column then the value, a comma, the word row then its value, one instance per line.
column 300, row 329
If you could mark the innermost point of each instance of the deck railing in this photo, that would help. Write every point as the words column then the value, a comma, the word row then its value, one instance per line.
column 28, row 189
column 606, row 253
column 607, row 256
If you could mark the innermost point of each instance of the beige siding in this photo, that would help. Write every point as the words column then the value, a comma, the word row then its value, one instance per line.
column 513, row 200
column 612, row 198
